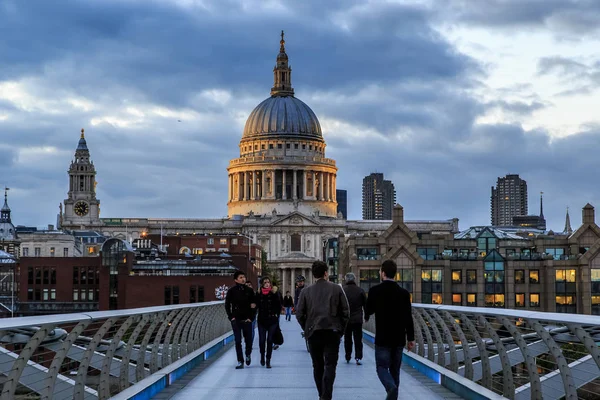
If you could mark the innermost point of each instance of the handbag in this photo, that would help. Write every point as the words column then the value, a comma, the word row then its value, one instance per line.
column 278, row 336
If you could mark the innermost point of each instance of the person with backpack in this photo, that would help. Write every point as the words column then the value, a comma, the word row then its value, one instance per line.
column 269, row 309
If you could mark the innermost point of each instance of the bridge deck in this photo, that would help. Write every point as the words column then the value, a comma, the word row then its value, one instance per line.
column 291, row 377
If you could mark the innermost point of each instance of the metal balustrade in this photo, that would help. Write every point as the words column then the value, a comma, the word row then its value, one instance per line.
column 99, row 354
column 518, row 354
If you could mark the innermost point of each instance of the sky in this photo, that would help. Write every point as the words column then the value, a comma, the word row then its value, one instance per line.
column 442, row 96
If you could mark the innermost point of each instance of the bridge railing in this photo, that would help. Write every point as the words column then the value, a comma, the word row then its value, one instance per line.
column 518, row 354
column 99, row 354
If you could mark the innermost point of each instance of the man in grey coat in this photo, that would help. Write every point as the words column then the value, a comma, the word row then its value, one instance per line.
column 323, row 314
column 357, row 300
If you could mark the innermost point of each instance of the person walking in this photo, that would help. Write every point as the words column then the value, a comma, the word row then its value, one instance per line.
column 288, row 303
column 393, row 327
column 240, row 305
column 300, row 280
column 357, row 300
column 323, row 313
column 269, row 309
column 249, row 284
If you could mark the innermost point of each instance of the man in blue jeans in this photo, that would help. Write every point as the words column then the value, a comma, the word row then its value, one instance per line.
column 393, row 327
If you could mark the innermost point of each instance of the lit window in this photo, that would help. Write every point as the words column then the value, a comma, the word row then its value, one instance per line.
column 534, row 276
column 520, row 299
column 519, row 276
column 534, row 300
column 234, row 241
column 223, row 241
column 456, row 299
column 52, row 251
column 456, row 276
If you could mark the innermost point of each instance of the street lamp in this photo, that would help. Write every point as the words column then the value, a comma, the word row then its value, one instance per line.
column 249, row 244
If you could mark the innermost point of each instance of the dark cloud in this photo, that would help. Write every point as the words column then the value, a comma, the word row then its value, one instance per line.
column 395, row 95
column 564, row 18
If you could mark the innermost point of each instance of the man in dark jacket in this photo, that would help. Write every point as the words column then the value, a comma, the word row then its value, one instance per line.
column 357, row 301
column 300, row 281
column 323, row 313
column 240, row 305
column 393, row 327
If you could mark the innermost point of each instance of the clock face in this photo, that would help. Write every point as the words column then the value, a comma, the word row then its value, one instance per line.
column 81, row 208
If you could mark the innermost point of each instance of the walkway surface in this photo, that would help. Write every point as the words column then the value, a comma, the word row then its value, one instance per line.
column 291, row 376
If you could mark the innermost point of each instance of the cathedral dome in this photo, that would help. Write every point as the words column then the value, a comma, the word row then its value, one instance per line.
column 279, row 115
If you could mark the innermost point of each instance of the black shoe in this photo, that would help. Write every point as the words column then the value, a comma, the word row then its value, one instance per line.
column 240, row 365
column 248, row 360
column 358, row 362
column 268, row 363
column 347, row 361
column 275, row 347
column 262, row 360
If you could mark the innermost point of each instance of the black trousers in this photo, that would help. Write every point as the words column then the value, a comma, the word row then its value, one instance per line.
column 324, row 350
column 242, row 328
column 353, row 331
column 266, row 330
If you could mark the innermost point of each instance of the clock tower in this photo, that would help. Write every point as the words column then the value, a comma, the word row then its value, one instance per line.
column 82, row 208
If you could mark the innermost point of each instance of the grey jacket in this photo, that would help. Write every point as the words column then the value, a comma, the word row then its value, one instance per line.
column 357, row 300
column 322, row 306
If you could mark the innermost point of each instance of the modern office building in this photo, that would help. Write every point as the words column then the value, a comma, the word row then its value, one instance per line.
column 509, row 199
column 342, row 200
column 378, row 197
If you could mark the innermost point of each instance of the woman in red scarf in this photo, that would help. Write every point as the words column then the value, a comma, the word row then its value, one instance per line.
column 269, row 308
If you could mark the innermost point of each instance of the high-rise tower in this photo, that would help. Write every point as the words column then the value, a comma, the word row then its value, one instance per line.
column 82, row 208
column 378, row 197
column 509, row 199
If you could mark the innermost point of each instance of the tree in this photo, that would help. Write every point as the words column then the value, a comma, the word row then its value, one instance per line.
column 267, row 271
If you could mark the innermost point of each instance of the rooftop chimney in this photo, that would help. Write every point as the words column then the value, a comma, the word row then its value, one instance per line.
column 588, row 216
column 398, row 214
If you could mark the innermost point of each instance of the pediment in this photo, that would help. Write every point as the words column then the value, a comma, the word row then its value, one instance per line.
column 586, row 234
column 398, row 234
column 295, row 219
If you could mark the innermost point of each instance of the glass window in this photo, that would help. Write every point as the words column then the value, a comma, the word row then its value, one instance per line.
column 279, row 146
column 404, row 277
column 565, row 275
column 75, row 294
column 519, row 276
column 37, row 294
column 192, row 294
column 38, row 251
column 456, row 276
column 534, row 300
column 52, row 251
column 25, row 251
column 52, row 294
column 175, row 294
column 83, row 295
column 234, row 241
column 210, row 241
column 472, row 300
column 53, row 276
column 200, row 294
column 30, row 294
column 471, row 276
column 46, row 295
column 30, row 276
column 436, row 298
column 91, row 295
column 534, row 276
column 368, row 253
column 369, row 278
column 46, row 274
column 520, row 299
column 427, row 253
column 494, row 300
column 76, row 275
column 556, row 253
column 38, row 276
column 66, row 252
column 270, row 145
column 295, row 242
column 223, row 242
column 595, row 272
column 457, row 299
column 167, row 295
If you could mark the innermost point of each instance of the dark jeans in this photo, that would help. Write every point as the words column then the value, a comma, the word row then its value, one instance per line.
column 242, row 328
column 324, row 350
column 388, row 361
column 288, row 313
column 266, row 330
column 353, row 330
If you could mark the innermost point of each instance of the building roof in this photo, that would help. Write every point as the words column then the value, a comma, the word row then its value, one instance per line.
column 282, row 116
column 474, row 231
column 6, row 258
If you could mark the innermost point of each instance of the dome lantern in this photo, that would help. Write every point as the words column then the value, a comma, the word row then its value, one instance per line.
column 282, row 73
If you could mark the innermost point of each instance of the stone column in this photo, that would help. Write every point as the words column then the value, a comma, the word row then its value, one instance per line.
column 295, row 182
column 247, row 186
column 283, row 281
column 255, row 185
column 314, row 184
column 309, row 276
column 283, row 191
column 320, row 198
column 330, row 186
column 228, row 187
column 305, row 184
column 263, row 186
column 334, row 187
column 241, row 186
